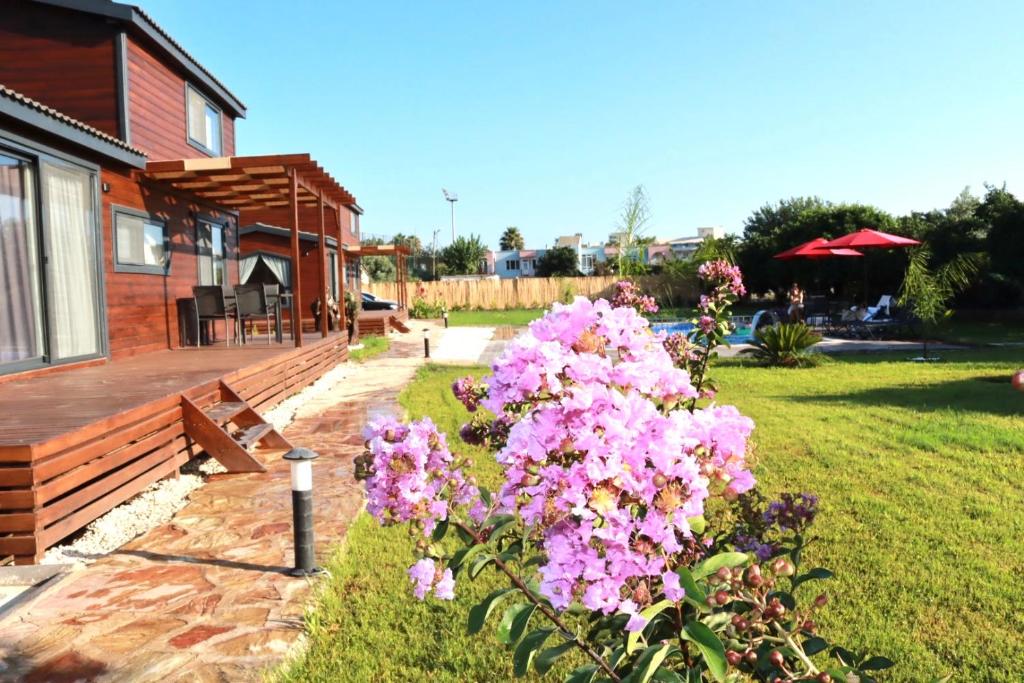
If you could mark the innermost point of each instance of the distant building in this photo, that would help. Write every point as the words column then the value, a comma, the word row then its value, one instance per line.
column 684, row 247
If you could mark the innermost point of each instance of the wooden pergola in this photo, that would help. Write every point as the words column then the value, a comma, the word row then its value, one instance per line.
column 401, row 254
column 267, row 182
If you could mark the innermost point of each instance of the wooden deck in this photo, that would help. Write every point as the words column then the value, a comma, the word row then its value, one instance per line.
column 75, row 444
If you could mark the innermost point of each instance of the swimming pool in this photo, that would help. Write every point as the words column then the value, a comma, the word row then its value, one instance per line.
column 744, row 327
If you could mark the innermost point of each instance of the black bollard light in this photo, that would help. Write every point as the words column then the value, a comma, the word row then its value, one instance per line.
column 426, row 343
column 444, row 314
column 301, row 461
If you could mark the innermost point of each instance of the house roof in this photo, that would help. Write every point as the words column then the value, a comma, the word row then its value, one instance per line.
column 569, row 241
column 142, row 24
column 277, row 230
column 38, row 115
column 254, row 182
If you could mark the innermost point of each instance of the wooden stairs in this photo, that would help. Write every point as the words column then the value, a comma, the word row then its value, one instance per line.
column 230, row 430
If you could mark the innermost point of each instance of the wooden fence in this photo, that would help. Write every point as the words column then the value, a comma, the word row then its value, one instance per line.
column 527, row 292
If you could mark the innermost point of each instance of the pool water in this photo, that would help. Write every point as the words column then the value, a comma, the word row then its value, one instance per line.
column 741, row 335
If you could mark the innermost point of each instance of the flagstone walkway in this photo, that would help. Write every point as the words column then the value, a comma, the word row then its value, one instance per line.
column 207, row 596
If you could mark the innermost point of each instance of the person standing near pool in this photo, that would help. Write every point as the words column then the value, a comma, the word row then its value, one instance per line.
column 796, row 303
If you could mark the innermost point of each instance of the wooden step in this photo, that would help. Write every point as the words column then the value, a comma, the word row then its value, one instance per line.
column 215, row 441
column 249, row 435
column 222, row 412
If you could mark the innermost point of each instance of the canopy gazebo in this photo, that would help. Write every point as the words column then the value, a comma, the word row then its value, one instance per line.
column 290, row 191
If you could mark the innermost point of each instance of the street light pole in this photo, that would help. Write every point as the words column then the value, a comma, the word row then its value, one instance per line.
column 433, row 251
column 451, row 197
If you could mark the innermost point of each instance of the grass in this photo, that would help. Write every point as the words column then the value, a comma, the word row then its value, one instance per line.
column 922, row 519
column 373, row 345
column 983, row 331
column 512, row 316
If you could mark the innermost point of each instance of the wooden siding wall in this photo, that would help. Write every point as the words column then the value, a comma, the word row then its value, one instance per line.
column 157, row 110
column 142, row 308
column 68, row 482
column 62, row 58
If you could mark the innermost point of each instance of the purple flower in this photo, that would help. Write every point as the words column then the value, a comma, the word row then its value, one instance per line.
column 636, row 622
column 673, row 591
column 445, row 588
column 627, row 295
column 422, row 575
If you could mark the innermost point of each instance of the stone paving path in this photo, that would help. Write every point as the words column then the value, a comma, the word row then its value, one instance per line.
column 207, row 597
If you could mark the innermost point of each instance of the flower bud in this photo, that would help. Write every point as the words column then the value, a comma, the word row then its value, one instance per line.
column 821, row 600
column 776, row 659
column 659, row 480
column 722, row 598
column 824, row 677
column 734, row 658
column 752, row 576
column 724, row 574
column 783, row 567
column 750, row 657
column 809, row 626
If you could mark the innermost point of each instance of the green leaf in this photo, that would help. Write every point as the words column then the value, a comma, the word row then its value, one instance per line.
column 500, row 529
column 716, row 562
column 463, row 556
column 583, row 674
column 633, row 639
column 546, row 658
column 816, row 574
column 711, row 648
column 648, row 662
column 505, row 627
column 875, row 664
column 697, row 524
column 479, row 613
column 694, row 594
column 813, row 646
column 520, row 623
column 485, row 495
column 523, row 655
column 439, row 531
column 479, row 564
column 667, row 676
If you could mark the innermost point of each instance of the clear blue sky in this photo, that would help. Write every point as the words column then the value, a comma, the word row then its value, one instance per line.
column 544, row 115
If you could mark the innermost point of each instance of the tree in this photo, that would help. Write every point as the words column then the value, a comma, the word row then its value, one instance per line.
column 511, row 239
column 1004, row 214
column 928, row 291
column 463, row 256
column 630, row 230
column 413, row 243
column 558, row 262
column 379, row 268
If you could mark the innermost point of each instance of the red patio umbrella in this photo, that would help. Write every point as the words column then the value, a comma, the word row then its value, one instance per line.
column 815, row 249
column 868, row 238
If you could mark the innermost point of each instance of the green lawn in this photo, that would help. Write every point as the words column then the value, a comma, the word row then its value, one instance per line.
column 922, row 518
column 511, row 316
column 983, row 331
column 373, row 345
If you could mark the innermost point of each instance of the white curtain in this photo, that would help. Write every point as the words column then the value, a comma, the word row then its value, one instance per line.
column 280, row 267
column 73, row 285
column 20, row 323
column 246, row 265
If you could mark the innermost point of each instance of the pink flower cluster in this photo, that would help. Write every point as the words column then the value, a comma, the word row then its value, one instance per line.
column 628, row 295
column 601, row 461
column 722, row 273
column 426, row 575
column 469, row 392
column 414, row 476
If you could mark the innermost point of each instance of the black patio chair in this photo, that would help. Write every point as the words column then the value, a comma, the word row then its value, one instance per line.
column 251, row 300
column 212, row 304
column 274, row 304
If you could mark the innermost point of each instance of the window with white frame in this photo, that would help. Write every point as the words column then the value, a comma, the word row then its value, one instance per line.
column 586, row 262
column 512, row 264
column 140, row 243
column 203, row 122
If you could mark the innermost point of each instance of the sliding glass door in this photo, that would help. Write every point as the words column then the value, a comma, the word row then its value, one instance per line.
column 51, row 298
column 21, row 323
column 73, row 291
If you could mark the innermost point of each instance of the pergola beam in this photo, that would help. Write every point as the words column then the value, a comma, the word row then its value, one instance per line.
column 296, row 279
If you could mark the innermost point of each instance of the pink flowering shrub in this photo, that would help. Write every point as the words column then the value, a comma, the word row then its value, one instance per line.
column 628, row 295
column 627, row 517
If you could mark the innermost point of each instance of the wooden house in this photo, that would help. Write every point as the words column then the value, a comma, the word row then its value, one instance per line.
column 120, row 191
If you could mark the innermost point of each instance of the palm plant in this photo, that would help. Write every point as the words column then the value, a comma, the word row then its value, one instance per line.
column 511, row 239
column 463, row 256
column 786, row 344
column 927, row 292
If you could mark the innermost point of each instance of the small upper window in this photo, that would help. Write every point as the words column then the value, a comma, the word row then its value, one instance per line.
column 140, row 243
column 512, row 264
column 203, row 122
